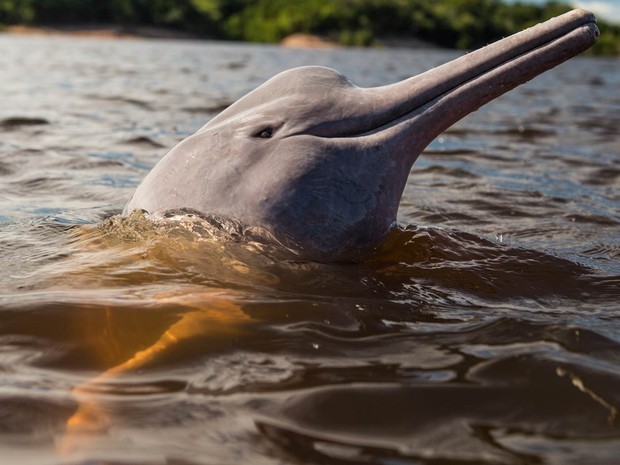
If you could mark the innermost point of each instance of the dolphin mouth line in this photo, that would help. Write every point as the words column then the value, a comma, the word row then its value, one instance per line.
column 480, row 76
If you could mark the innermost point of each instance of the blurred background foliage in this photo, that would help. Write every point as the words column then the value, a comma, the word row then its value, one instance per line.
column 462, row 24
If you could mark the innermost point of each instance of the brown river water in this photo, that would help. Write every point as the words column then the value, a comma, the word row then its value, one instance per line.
column 485, row 330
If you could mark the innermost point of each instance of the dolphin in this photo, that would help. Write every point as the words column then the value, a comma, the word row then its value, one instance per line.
column 320, row 163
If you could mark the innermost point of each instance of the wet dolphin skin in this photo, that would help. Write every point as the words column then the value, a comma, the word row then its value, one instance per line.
column 321, row 163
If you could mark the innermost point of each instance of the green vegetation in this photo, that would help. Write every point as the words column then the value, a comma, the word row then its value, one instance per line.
column 463, row 24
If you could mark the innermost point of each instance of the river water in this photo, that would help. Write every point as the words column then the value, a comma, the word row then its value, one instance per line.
column 486, row 329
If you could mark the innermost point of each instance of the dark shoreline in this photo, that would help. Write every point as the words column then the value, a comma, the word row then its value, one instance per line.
column 111, row 31
column 103, row 31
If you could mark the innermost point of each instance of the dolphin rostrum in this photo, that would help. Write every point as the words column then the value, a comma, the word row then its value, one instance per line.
column 320, row 163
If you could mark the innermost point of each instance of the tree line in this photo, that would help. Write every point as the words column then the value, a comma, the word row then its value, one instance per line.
column 462, row 24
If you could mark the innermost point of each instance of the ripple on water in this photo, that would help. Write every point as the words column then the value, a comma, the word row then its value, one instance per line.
column 17, row 122
column 490, row 335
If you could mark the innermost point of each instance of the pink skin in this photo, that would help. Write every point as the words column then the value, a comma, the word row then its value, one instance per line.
column 321, row 163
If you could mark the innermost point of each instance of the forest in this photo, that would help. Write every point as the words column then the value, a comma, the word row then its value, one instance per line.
column 461, row 24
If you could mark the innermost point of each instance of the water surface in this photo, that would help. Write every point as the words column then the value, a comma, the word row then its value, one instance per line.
column 485, row 329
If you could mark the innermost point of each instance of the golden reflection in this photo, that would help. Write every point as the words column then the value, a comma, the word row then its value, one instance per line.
column 130, row 322
column 209, row 314
column 579, row 384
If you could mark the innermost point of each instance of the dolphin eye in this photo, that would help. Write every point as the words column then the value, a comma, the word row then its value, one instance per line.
column 265, row 133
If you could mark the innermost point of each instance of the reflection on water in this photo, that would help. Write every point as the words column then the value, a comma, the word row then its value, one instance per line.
column 485, row 329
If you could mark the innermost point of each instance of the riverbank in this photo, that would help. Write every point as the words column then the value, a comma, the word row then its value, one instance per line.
column 105, row 31
column 295, row 40
column 118, row 32
column 100, row 31
column 454, row 24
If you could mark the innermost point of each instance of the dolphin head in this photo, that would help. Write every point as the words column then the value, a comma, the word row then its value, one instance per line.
column 322, row 163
